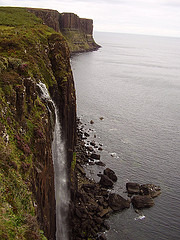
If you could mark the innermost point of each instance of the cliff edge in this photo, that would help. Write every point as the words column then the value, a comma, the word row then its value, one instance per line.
column 77, row 31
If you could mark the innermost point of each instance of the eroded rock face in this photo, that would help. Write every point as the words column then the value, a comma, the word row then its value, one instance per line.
column 50, row 17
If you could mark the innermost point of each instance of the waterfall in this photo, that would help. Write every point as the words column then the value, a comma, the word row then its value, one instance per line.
column 60, row 171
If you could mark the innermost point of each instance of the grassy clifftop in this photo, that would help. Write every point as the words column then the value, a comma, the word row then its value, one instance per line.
column 29, row 52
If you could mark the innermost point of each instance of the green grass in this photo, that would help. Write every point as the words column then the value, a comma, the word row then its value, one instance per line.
column 14, row 17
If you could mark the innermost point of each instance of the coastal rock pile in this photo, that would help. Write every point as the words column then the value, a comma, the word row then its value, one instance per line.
column 144, row 194
column 94, row 202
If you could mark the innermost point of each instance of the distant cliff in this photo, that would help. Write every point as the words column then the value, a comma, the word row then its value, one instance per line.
column 77, row 31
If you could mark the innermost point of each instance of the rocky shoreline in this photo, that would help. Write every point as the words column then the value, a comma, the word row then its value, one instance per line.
column 94, row 201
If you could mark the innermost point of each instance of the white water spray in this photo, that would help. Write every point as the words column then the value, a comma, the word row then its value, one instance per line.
column 60, row 171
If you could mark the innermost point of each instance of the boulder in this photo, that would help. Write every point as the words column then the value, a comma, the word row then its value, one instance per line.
column 93, row 143
column 140, row 201
column 117, row 203
column 95, row 156
column 133, row 188
column 150, row 189
column 89, row 148
column 111, row 174
column 106, row 181
column 100, row 164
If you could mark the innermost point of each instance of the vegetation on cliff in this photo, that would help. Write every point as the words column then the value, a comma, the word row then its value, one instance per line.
column 29, row 52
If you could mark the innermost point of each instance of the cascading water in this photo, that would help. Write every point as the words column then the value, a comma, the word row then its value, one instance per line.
column 60, row 171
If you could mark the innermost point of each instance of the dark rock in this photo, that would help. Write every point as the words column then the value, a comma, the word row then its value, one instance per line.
column 111, row 174
column 102, row 237
column 100, row 149
column 91, row 122
column 100, row 164
column 95, row 156
column 101, row 118
column 104, row 212
column 89, row 148
column 116, row 202
column 106, row 225
column 93, row 143
column 133, row 188
column 150, row 189
column 145, row 201
column 98, row 220
column 106, row 181
column 86, row 134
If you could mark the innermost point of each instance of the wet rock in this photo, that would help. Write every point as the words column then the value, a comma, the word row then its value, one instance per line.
column 106, row 181
column 111, row 174
column 133, row 188
column 150, row 189
column 145, row 201
column 95, row 156
column 117, row 203
column 100, row 164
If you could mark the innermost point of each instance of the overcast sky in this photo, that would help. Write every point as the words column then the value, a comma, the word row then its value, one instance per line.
column 152, row 17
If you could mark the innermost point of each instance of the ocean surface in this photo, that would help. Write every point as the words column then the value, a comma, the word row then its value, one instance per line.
column 133, row 82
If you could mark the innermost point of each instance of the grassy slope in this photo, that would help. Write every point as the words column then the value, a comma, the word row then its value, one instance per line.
column 23, row 47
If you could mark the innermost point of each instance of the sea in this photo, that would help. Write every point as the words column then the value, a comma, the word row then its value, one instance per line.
column 130, row 88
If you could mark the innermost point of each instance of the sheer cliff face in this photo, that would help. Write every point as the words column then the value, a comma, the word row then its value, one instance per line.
column 31, row 52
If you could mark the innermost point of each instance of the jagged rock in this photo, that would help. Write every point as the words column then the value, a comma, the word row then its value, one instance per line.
column 116, row 202
column 106, row 181
column 133, row 188
column 95, row 156
column 111, row 174
column 150, row 189
column 145, row 201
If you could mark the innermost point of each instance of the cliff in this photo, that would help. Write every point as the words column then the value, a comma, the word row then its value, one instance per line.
column 77, row 31
column 31, row 52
